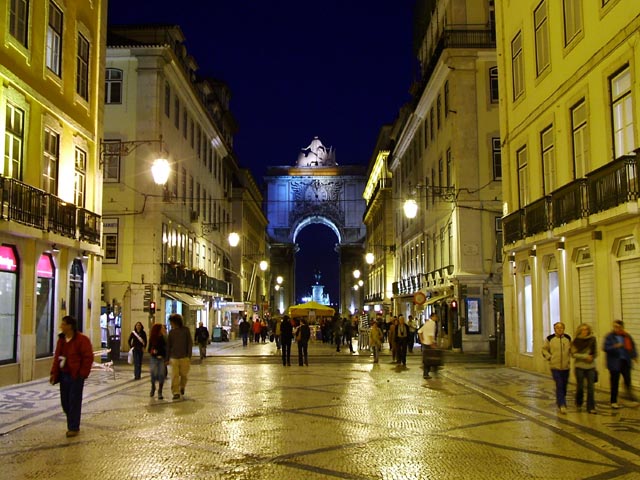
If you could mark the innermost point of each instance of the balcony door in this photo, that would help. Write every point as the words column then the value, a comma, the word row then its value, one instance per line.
column 76, row 290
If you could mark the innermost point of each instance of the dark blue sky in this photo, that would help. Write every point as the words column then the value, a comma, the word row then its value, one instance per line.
column 337, row 69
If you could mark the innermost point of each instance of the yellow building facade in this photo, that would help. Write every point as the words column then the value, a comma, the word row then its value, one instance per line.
column 51, row 69
column 568, row 121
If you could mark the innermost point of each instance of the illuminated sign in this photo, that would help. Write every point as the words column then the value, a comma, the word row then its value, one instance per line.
column 45, row 269
column 8, row 261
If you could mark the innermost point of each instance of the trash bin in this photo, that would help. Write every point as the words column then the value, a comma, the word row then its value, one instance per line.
column 114, row 345
column 493, row 346
column 217, row 334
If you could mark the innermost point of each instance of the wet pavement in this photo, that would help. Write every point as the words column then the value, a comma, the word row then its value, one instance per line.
column 245, row 416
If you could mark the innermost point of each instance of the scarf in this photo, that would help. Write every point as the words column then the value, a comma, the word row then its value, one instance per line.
column 628, row 346
column 581, row 344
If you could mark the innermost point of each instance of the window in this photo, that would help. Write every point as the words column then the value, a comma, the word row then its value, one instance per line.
column 541, row 26
column 580, row 137
column 183, row 182
column 80, row 178
column 113, row 86
column 45, row 304
column 526, row 309
column 553, row 285
column 548, row 160
column 185, row 122
column 9, row 269
column 167, row 99
column 498, row 233
column 19, row 20
column 54, row 39
column 432, row 123
column 494, row 94
column 449, row 168
column 523, row 177
column 51, row 155
column 176, row 120
column 82, row 68
column 496, row 158
column 446, row 99
column 111, row 156
column 622, row 112
column 13, row 142
column 110, row 239
column 517, row 66
column 438, row 110
column 572, row 19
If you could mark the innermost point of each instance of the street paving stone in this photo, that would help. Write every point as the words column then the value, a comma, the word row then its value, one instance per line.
column 245, row 416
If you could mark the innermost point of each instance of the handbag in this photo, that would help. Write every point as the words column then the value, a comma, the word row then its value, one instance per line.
column 130, row 357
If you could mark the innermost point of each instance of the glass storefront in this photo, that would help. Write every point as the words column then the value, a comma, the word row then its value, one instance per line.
column 45, row 297
column 8, row 305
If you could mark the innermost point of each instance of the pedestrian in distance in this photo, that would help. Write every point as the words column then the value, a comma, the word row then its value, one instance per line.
column 179, row 352
column 72, row 363
column 286, row 337
column 402, row 337
column 375, row 340
column 413, row 328
column 393, row 346
column 244, row 328
column 302, row 339
column 257, row 328
column 621, row 351
column 337, row 331
column 158, row 353
column 557, row 350
column 201, row 337
column 431, row 355
column 584, row 351
column 347, row 333
column 137, row 341
column 276, row 334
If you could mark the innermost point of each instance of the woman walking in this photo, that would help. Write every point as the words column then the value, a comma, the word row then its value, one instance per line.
column 584, row 351
column 137, row 341
column 158, row 352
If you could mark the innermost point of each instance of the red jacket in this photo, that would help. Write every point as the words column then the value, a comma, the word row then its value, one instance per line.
column 78, row 353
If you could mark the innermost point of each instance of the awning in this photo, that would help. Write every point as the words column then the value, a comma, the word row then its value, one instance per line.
column 185, row 298
column 433, row 300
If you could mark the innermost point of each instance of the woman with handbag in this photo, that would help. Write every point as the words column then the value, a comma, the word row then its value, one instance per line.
column 158, row 352
column 138, row 342
column 584, row 351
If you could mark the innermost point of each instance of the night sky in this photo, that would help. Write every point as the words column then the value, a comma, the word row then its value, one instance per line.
column 336, row 69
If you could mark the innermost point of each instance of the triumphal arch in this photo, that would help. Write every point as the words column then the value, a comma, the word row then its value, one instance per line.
column 317, row 190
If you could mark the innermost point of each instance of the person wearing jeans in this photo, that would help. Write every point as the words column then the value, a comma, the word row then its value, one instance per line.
column 621, row 351
column 72, row 363
column 584, row 351
column 557, row 350
column 179, row 351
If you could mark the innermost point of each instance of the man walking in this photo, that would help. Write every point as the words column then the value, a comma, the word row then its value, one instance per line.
column 244, row 328
column 71, row 366
column 402, row 337
column 286, row 337
column 302, row 339
column 557, row 350
column 179, row 351
column 430, row 353
column 621, row 350
column 413, row 328
column 202, row 338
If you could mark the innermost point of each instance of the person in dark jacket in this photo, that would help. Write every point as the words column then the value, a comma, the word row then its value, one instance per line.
column 286, row 336
column 621, row 351
column 302, row 339
column 72, row 363
column 137, row 341
column 179, row 351
column 557, row 350
column 244, row 328
column 158, row 352
column 201, row 337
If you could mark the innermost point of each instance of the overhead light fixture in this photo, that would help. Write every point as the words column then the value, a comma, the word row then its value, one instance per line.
column 54, row 248
column 85, row 254
column 532, row 252
column 512, row 257
column 560, row 245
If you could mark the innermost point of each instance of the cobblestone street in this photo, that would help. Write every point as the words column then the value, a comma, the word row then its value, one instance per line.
column 245, row 416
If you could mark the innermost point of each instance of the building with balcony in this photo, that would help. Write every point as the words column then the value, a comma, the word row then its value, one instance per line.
column 165, row 244
column 378, row 219
column 51, row 69
column 568, row 120
column 446, row 165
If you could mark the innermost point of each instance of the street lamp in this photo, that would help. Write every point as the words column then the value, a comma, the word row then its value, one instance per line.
column 234, row 239
column 369, row 258
column 356, row 273
column 263, row 265
column 410, row 208
column 160, row 170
